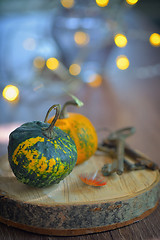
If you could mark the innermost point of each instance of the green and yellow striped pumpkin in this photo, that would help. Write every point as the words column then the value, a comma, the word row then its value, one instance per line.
column 41, row 154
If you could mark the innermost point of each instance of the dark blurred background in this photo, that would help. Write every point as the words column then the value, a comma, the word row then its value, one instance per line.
column 150, row 9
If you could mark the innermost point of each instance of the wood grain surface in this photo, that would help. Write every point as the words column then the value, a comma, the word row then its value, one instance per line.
column 73, row 191
column 74, row 208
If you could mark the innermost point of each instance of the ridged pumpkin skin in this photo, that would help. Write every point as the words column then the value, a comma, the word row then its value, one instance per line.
column 82, row 132
column 37, row 160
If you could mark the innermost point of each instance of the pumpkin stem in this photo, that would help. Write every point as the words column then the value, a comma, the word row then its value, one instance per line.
column 48, row 132
column 74, row 102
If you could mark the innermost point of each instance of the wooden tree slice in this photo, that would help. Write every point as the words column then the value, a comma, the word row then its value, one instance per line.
column 73, row 208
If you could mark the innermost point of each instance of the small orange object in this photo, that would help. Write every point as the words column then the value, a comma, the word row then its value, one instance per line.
column 93, row 179
column 80, row 129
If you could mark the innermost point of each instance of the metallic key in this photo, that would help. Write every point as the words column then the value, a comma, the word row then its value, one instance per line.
column 119, row 136
column 109, row 168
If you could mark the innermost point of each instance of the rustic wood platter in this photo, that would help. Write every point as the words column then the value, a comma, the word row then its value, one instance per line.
column 73, row 208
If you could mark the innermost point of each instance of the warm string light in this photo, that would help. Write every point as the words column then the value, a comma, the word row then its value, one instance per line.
column 131, row 2
column 102, row 3
column 120, row 40
column 75, row 69
column 95, row 80
column 122, row 62
column 52, row 63
column 155, row 39
column 10, row 93
column 81, row 38
column 67, row 3
column 39, row 62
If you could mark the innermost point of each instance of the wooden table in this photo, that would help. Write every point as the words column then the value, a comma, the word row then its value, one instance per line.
column 125, row 98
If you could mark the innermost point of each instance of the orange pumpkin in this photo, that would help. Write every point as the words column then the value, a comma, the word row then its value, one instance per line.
column 80, row 130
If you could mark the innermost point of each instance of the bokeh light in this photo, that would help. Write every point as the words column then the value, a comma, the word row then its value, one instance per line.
column 29, row 44
column 95, row 80
column 67, row 3
column 122, row 62
column 120, row 40
column 155, row 39
column 10, row 93
column 39, row 62
column 102, row 3
column 131, row 2
column 75, row 69
column 52, row 63
column 81, row 38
